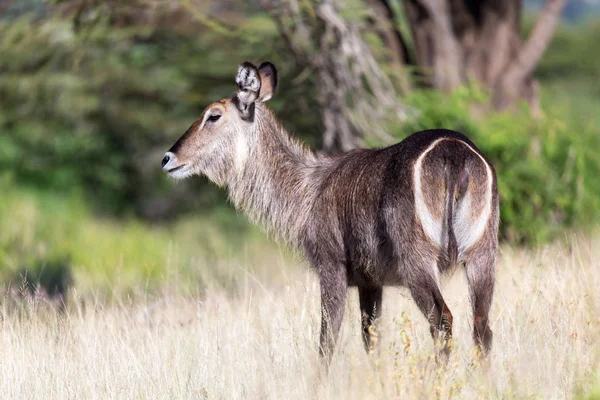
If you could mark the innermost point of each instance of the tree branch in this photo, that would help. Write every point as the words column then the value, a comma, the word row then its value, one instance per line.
column 447, row 74
column 355, row 96
column 531, row 52
column 390, row 32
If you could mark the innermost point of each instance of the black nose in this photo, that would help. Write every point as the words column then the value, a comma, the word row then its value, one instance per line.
column 165, row 160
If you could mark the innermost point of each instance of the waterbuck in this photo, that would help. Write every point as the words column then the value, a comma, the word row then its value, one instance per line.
column 402, row 215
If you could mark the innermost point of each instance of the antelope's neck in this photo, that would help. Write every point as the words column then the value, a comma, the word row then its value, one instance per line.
column 279, row 182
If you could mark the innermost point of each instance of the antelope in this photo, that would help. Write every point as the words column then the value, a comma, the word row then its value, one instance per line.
column 402, row 215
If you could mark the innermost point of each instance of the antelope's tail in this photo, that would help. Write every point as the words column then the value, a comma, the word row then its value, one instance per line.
column 457, row 183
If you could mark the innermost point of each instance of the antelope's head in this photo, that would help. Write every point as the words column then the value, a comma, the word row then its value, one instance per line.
column 218, row 142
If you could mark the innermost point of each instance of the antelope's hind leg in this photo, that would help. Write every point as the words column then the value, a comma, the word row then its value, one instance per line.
column 370, row 309
column 480, row 273
column 426, row 293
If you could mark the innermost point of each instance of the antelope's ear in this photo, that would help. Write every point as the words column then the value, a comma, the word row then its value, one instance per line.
column 268, row 81
column 247, row 80
column 248, row 83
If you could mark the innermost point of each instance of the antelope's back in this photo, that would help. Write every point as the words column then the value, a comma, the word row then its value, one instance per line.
column 386, row 203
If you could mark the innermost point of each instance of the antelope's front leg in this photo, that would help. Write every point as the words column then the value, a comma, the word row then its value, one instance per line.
column 334, row 286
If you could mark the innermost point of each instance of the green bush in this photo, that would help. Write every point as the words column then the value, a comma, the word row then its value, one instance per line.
column 91, row 109
column 573, row 53
column 548, row 168
column 95, row 107
column 55, row 241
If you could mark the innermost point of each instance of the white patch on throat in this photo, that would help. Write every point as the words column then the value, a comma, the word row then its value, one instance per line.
column 242, row 150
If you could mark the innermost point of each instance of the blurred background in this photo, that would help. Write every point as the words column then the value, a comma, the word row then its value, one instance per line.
column 92, row 93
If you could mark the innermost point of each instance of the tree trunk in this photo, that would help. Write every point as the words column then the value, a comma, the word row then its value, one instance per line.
column 354, row 95
column 454, row 42
column 517, row 80
column 459, row 41
column 437, row 51
column 383, row 21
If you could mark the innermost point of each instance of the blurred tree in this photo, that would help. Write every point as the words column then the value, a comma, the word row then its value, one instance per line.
column 458, row 41
column 92, row 94
column 450, row 42
column 354, row 94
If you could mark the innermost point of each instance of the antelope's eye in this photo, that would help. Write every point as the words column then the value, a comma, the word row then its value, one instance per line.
column 214, row 117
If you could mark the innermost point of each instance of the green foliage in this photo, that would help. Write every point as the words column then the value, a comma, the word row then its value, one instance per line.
column 94, row 107
column 548, row 168
column 570, row 74
column 55, row 241
column 87, row 109
column 594, row 394
column 591, row 392
column 573, row 54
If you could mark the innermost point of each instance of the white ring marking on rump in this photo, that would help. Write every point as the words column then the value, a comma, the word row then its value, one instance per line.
column 432, row 228
column 467, row 231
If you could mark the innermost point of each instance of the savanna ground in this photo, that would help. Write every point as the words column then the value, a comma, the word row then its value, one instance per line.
column 260, row 340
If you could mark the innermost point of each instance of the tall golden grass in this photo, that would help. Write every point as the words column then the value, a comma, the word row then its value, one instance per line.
column 261, row 341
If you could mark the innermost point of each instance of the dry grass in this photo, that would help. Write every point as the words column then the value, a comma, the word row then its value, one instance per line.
column 261, row 342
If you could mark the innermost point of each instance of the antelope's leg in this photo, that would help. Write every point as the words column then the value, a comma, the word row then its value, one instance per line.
column 370, row 308
column 334, row 286
column 481, row 279
column 427, row 295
